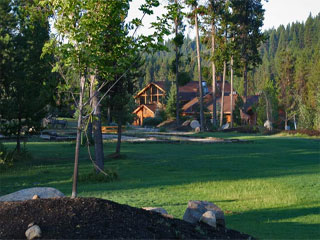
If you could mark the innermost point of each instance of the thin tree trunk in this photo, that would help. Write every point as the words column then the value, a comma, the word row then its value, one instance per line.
column 89, row 129
column 214, row 81
column 199, row 73
column 245, row 80
column 222, row 95
column 231, row 93
column 267, row 107
column 97, row 134
column 78, row 140
column 119, row 138
column 89, row 133
column 108, row 115
column 19, row 135
column 286, row 121
column 176, row 23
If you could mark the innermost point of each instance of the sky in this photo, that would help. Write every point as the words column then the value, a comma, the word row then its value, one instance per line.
column 277, row 12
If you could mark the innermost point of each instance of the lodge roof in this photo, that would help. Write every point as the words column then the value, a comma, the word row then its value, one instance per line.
column 188, row 91
column 207, row 101
column 151, row 107
column 251, row 100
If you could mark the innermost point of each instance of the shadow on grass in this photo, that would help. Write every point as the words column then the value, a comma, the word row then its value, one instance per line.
column 283, row 221
column 169, row 164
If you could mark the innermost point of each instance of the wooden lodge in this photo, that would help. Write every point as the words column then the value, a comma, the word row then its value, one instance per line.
column 152, row 97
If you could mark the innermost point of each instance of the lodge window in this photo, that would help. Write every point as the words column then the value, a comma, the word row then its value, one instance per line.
column 151, row 95
column 142, row 100
column 154, row 98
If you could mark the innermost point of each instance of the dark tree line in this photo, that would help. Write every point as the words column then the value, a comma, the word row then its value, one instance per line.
column 289, row 71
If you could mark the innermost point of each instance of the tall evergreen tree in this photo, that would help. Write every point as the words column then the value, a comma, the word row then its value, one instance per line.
column 194, row 19
column 175, row 14
column 30, row 86
column 249, row 15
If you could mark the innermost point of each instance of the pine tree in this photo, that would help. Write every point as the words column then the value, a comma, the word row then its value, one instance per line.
column 30, row 86
column 171, row 106
column 249, row 15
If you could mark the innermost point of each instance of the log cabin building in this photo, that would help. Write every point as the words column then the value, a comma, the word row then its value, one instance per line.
column 153, row 96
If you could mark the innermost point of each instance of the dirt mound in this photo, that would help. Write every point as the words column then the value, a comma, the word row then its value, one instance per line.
column 84, row 218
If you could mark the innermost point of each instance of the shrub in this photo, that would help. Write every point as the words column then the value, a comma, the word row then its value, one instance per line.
column 8, row 158
column 248, row 129
column 152, row 122
column 162, row 129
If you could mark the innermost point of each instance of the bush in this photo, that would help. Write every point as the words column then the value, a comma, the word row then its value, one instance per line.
column 151, row 122
column 248, row 129
column 98, row 177
column 8, row 158
column 162, row 129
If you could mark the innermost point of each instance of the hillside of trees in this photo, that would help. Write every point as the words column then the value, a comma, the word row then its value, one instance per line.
column 289, row 71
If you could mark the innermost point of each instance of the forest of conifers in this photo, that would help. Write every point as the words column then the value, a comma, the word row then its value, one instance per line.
column 289, row 71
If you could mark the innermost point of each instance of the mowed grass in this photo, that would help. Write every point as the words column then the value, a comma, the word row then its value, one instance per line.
column 268, row 187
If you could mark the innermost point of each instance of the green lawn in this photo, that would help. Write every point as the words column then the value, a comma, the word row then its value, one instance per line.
column 268, row 187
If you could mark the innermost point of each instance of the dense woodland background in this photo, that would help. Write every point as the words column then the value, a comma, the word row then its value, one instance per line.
column 290, row 60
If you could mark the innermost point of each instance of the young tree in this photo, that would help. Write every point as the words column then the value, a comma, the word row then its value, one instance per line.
column 171, row 102
column 84, row 30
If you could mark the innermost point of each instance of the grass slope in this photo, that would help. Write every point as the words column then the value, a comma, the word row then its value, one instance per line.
column 269, row 188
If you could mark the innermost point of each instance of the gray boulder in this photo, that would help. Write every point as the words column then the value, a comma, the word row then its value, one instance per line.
column 209, row 217
column 33, row 232
column 194, row 124
column 225, row 126
column 28, row 193
column 156, row 209
column 268, row 125
column 196, row 209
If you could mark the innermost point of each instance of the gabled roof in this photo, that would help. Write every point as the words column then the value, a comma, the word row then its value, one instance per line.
column 188, row 91
column 159, row 85
column 226, row 103
column 251, row 100
column 207, row 102
column 150, row 107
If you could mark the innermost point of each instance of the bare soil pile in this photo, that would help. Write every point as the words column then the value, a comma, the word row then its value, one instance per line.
column 84, row 218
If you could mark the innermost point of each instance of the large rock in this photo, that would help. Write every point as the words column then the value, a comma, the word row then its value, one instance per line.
column 156, row 209
column 194, row 124
column 196, row 209
column 28, row 193
column 225, row 126
column 209, row 217
column 33, row 232
column 268, row 125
